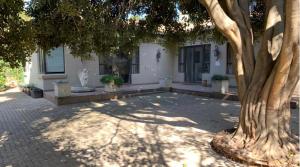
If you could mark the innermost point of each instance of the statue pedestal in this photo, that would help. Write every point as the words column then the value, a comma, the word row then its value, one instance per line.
column 62, row 89
column 82, row 89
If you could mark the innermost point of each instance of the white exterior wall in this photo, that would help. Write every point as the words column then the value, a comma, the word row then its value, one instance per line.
column 31, row 74
column 72, row 67
column 177, row 76
column 151, row 70
column 165, row 64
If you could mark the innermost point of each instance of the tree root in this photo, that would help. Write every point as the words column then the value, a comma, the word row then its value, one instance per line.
column 253, row 153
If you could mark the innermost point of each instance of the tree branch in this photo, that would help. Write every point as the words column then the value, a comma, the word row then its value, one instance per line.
column 231, row 31
column 264, row 62
column 290, row 49
column 240, row 14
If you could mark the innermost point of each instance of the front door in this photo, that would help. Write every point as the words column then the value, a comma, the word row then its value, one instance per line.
column 123, row 63
column 196, row 62
column 119, row 64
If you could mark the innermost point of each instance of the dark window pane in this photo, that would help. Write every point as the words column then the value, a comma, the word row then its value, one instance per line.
column 197, row 57
column 181, row 62
column 135, row 63
column 105, row 66
column 206, row 58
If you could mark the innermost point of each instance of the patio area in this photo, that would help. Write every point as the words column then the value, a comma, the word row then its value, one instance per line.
column 166, row 129
column 138, row 90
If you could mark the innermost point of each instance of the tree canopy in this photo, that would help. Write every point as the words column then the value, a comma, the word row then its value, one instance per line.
column 16, row 33
column 102, row 27
column 265, row 81
column 115, row 25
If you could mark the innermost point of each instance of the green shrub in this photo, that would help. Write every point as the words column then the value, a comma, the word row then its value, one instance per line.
column 2, row 82
column 8, row 74
column 2, row 75
column 219, row 78
column 118, row 81
column 106, row 79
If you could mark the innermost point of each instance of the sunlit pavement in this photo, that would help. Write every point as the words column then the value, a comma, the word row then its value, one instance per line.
column 166, row 129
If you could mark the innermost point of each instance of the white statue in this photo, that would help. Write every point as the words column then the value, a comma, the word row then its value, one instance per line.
column 83, row 77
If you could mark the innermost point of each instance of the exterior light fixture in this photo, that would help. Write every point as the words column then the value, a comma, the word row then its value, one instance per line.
column 217, row 56
column 158, row 55
column 217, row 53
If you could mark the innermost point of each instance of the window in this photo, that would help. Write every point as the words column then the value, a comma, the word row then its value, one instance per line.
column 181, row 60
column 53, row 61
column 105, row 66
column 206, row 58
column 41, row 61
column 135, row 63
column 229, row 66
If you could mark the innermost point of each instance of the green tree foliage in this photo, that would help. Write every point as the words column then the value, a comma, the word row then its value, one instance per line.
column 9, row 74
column 116, row 25
column 102, row 27
column 16, row 33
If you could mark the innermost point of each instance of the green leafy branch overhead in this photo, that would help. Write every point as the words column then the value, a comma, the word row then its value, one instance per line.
column 16, row 33
column 110, row 26
column 101, row 27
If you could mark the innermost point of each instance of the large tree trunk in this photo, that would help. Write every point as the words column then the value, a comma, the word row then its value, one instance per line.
column 265, row 83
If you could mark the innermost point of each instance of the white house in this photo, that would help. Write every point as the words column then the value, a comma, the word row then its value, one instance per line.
column 194, row 63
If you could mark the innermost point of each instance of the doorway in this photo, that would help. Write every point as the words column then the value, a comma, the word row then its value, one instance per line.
column 197, row 62
column 119, row 63
column 122, row 62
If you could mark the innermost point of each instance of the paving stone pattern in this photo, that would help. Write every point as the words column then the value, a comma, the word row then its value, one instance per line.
column 167, row 129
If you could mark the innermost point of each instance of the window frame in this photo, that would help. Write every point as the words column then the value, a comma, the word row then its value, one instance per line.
column 203, row 62
column 42, row 61
column 208, row 56
column 104, row 72
column 136, row 65
column 181, row 60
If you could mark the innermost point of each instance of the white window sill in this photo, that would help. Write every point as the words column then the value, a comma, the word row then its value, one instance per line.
column 230, row 75
column 53, row 76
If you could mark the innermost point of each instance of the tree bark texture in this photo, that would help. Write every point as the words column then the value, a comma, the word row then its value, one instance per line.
column 265, row 82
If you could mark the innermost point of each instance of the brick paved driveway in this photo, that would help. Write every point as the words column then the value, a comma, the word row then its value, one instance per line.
column 157, row 130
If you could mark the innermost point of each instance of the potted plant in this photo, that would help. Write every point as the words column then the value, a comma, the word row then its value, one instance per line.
column 111, row 82
column 165, row 82
column 36, row 92
column 220, row 83
column 27, row 89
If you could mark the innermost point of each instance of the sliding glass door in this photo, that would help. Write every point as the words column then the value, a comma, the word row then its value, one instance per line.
column 197, row 62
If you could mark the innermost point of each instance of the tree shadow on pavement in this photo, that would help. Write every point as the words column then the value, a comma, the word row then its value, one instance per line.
column 165, row 129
